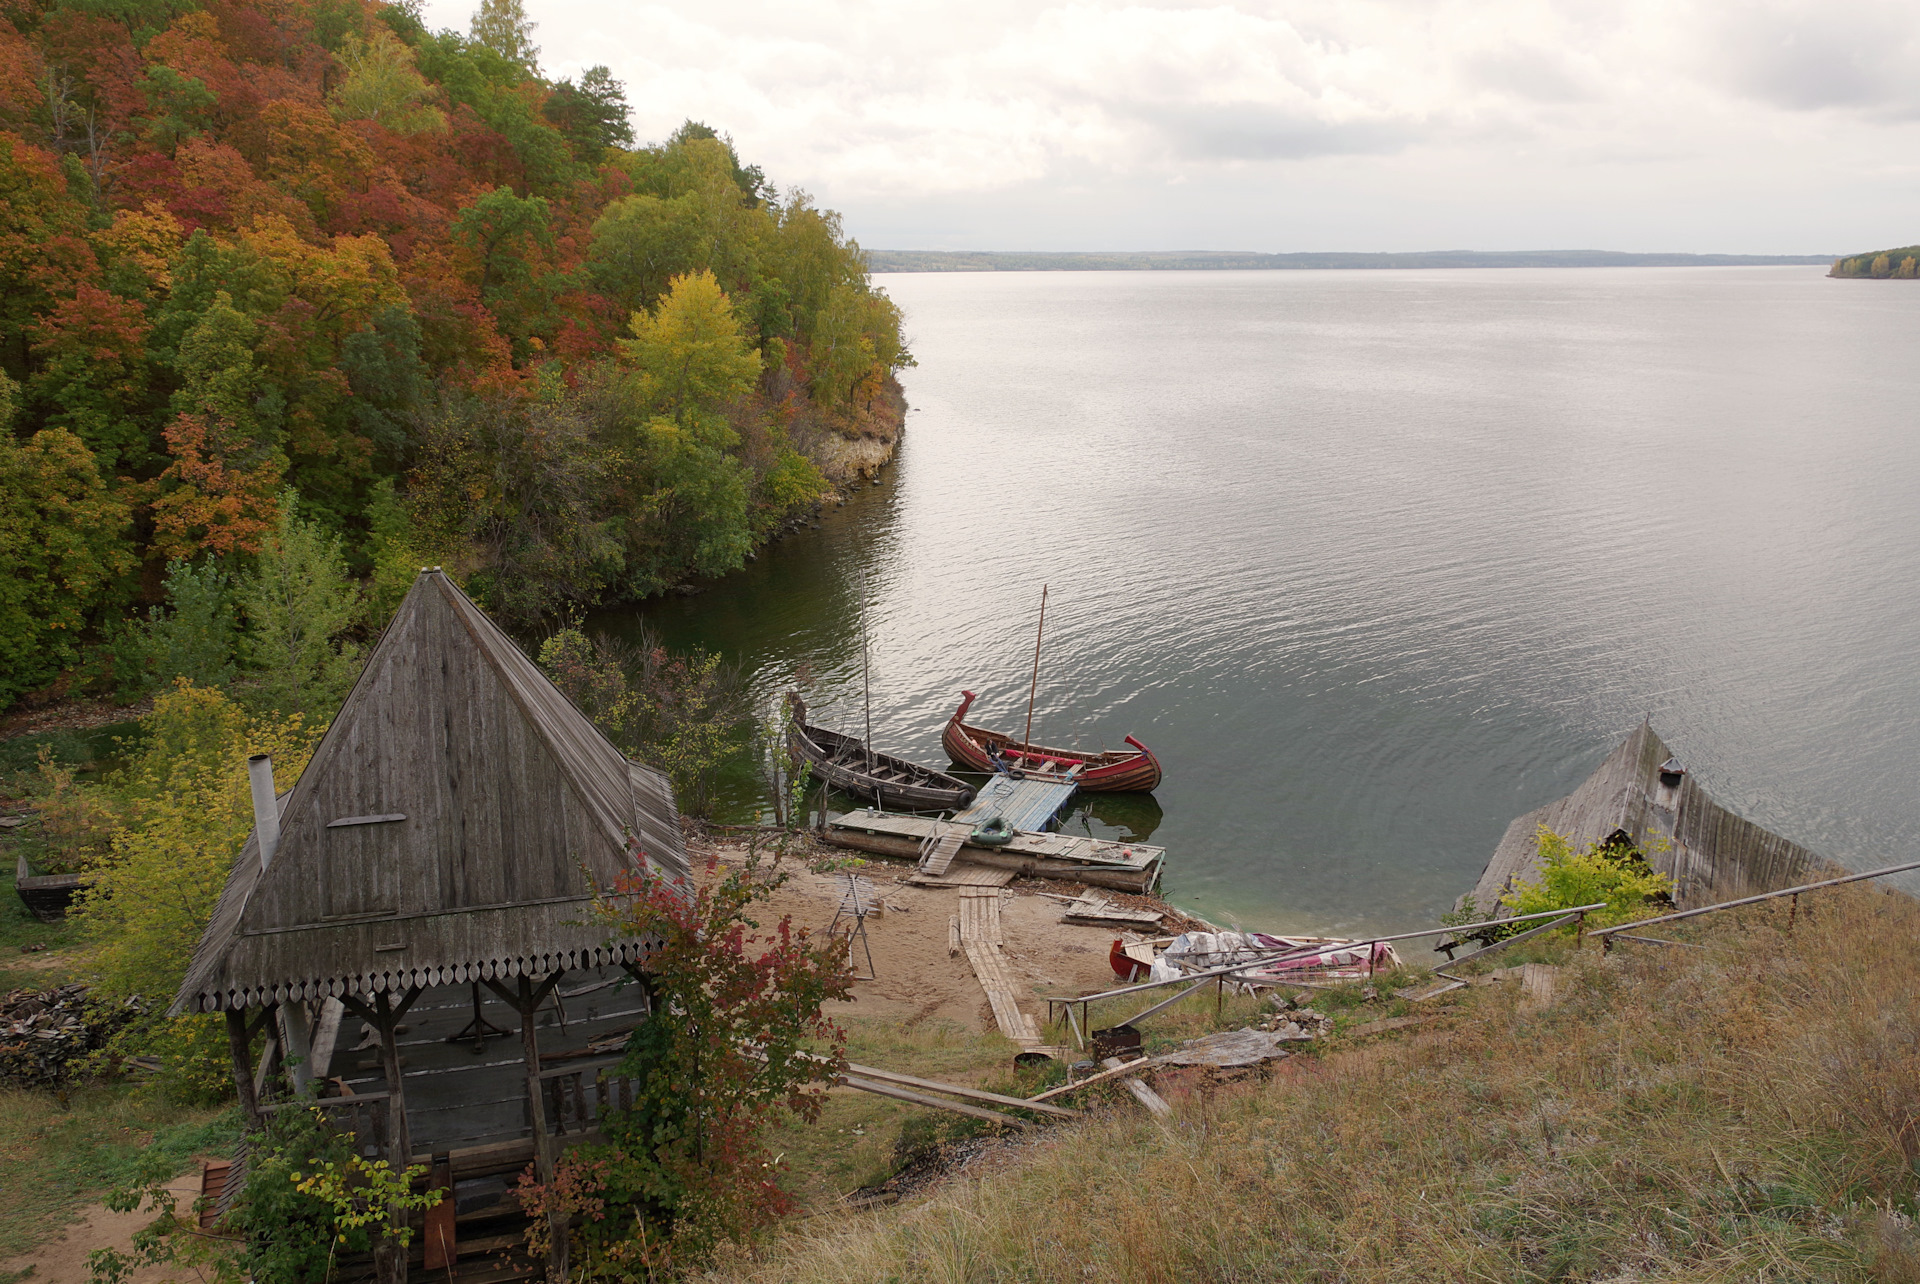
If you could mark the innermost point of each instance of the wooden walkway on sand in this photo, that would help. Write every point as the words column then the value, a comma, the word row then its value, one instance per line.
column 980, row 938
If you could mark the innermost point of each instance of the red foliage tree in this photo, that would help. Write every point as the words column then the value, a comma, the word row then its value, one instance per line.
column 737, row 1035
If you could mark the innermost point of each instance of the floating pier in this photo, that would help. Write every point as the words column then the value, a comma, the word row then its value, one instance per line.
column 1126, row 867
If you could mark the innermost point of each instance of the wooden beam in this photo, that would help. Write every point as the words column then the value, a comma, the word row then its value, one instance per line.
column 240, row 1044
column 1131, row 1067
column 528, row 1003
column 972, row 1094
column 921, row 1099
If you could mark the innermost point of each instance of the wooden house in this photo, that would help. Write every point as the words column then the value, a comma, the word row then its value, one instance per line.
column 1643, row 793
column 411, row 925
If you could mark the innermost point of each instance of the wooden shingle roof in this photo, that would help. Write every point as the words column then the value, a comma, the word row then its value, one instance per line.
column 1711, row 854
column 451, row 826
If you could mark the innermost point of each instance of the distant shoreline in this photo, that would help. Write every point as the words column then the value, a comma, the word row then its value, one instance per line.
column 1227, row 260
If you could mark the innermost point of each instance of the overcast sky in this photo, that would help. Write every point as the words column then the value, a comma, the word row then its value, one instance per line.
column 1784, row 127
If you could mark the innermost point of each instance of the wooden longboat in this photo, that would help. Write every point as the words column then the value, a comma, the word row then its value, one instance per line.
column 1115, row 771
column 843, row 762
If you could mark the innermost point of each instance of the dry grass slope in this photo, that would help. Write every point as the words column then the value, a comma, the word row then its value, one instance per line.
column 1748, row 1111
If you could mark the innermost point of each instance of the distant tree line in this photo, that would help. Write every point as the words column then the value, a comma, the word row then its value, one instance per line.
column 301, row 282
column 1902, row 264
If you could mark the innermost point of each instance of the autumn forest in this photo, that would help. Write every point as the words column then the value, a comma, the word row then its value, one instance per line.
column 302, row 288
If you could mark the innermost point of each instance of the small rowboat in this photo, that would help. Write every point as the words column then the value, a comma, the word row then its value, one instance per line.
column 843, row 762
column 977, row 749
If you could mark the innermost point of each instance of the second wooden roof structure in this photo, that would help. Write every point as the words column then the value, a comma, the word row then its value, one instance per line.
column 1710, row 853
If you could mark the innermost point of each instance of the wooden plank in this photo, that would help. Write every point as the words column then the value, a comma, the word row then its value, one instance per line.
column 1028, row 804
column 1130, row 1067
column 1156, row 1104
column 964, row 874
column 937, row 1103
column 1537, row 986
column 972, row 1094
column 1097, row 852
column 980, row 937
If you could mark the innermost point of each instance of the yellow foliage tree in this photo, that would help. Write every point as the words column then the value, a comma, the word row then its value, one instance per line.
column 383, row 85
column 690, row 351
column 186, row 809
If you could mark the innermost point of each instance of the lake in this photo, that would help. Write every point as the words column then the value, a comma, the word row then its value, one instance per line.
column 1376, row 561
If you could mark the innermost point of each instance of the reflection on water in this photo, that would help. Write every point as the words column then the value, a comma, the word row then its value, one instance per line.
column 1376, row 561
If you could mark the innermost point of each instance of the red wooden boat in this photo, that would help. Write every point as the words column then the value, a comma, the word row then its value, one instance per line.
column 976, row 748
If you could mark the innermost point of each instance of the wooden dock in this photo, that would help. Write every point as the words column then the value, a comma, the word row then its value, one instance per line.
column 1025, row 804
column 1126, row 867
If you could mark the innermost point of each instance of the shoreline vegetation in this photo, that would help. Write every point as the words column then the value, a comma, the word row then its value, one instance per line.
column 1902, row 264
column 308, row 286
column 1233, row 260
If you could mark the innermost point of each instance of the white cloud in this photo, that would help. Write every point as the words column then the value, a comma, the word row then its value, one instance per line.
column 1415, row 120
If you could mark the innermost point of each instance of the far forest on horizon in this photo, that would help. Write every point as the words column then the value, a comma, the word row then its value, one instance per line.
column 1306, row 260
column 298, row 296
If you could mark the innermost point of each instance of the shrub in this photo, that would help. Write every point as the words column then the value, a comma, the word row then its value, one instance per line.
column 298, row 603
column 63, row 548
column 682, row 713
column 194, row 640
column 1613, row 871
column 727, row 1048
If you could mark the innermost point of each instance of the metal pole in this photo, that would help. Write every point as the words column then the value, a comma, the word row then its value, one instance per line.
column 1027, row 742
column 1764, row 896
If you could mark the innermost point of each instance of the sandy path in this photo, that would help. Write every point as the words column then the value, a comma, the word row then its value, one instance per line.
column 914, row 978
column 63, row 1259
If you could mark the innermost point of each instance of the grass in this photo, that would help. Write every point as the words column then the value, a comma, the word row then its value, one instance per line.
column 854, row 1144
column 57, row 1158
column 1747, row 1111
column 91, row 751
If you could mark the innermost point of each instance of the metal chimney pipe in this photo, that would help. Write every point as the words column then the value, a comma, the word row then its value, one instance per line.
column 266, row 809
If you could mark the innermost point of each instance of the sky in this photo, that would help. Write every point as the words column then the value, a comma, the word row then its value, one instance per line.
column 1778, row 126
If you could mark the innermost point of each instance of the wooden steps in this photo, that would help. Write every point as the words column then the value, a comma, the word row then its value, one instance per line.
column 940, row 847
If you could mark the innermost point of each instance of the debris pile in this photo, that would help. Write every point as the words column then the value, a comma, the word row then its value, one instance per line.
column 1299, row 1024
column 44, row 1034
column 1323, row 958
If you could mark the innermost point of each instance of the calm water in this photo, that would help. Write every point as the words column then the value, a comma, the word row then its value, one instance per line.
column 1377, row 560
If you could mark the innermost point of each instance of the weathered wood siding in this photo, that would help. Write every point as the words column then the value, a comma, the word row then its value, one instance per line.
column 512, row 807
column 1711, row 853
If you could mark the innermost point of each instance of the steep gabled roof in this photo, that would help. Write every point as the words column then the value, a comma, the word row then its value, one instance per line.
column 451, row 826
column 1710, row 853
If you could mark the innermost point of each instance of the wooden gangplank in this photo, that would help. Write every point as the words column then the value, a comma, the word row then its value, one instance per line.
column 940, row 847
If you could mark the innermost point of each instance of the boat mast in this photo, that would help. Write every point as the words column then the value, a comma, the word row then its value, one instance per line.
column 866, row 685
column 1027, row 742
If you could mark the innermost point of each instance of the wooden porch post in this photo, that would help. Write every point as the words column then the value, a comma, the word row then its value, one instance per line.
column 240, row 1044
column 399, row 1136
column 526, row 1001
column 389, row 1258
